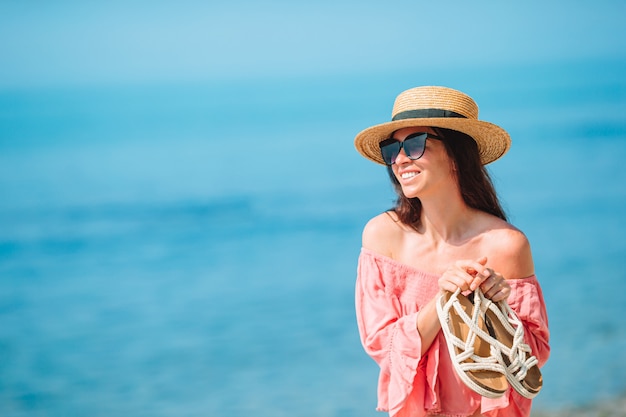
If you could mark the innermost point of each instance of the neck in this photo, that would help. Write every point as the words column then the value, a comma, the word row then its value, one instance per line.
column 446, row 218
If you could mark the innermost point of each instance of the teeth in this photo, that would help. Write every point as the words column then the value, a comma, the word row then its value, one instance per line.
column 406, row 175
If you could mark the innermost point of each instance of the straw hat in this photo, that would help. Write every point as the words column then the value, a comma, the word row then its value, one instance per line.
column 436, row 107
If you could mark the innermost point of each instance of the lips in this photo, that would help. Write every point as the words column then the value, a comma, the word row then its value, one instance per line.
column 408, row 173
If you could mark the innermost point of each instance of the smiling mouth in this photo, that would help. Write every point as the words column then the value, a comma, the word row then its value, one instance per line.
column 407, row 175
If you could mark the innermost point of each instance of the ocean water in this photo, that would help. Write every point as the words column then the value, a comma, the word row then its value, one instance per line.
column 191, row 249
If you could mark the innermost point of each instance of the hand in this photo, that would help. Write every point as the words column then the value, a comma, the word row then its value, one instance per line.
column 495, row 287
column 465, row 274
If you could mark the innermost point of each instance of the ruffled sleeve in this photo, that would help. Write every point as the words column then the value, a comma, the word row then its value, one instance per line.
column 388, row 334
column 527, row 301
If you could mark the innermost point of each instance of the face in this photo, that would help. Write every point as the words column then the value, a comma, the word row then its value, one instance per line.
column 430, row 173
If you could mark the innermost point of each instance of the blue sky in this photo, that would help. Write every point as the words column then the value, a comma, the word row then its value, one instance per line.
column 79, row 42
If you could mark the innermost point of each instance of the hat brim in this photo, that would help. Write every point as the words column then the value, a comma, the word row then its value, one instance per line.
column 492, row 140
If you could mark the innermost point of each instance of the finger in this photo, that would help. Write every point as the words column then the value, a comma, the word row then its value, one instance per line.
column 448, row 286
column 481, row 262
column 498, row 291
column 487, row 275
column 451, row 283
column 491, row 281
column 473, row 267
column 501, row 295
column 491, row 291
column 455, row 278
column 471, row 272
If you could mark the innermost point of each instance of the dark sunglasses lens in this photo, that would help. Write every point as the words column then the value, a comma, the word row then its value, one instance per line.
column 414, row 145
column 389, row 150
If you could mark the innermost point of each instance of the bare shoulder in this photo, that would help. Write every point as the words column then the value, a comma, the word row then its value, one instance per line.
column 382, row 233
column 508, row 239
column 509, row 251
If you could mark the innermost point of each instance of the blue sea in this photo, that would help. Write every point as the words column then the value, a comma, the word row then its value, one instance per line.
column 190, row 249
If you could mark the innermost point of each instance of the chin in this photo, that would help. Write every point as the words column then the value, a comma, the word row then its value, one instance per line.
column 410, row 193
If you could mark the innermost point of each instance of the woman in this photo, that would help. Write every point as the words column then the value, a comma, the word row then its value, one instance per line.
column 446, row 232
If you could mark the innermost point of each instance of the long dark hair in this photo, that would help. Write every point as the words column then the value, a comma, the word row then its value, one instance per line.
column 476, row 187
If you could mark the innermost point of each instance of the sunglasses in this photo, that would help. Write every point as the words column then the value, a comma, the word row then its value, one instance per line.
column 413, row 146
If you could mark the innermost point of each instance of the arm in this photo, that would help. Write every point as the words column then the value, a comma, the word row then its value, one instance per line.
column 388, row 336
column 385, row 330
column 388, row 332
column 382, row 235
column 512, row 258
column 528, row 303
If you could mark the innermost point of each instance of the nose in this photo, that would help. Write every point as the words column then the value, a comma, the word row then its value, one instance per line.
column 402, row 158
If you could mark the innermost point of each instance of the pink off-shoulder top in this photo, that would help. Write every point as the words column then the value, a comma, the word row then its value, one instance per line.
column 389, row 296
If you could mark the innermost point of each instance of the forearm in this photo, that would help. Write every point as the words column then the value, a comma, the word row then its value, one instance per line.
column 428, row 325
